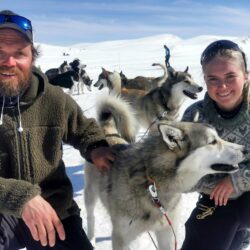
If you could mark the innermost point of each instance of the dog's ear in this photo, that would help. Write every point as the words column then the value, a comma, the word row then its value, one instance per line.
column 171, row 72
column 105, row 72
column 186, row 70
column 170, row 135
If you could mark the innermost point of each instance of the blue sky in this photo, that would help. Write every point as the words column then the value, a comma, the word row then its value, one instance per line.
column 64, row 22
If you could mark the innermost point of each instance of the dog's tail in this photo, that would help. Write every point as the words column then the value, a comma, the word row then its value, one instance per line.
column 163, row 78
column 116, row 116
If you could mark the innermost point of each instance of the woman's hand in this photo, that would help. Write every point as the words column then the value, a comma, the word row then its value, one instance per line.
column 222, row 191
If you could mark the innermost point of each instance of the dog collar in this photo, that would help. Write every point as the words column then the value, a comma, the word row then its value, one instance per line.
column 113, row 135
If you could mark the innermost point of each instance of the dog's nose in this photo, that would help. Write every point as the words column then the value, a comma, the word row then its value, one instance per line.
column 200, row 89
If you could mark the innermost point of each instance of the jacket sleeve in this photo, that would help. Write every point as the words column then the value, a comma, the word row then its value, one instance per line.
column 241, row 178
column 81, row 132
column 14, row 194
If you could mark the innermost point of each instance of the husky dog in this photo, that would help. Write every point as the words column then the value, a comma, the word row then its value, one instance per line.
column 65, row 80
column 117, row 120
column 50, row 73
column 161, row 102
column 169, row 162
column 111, row 80
column 144, row 83
column 84, row 79
column 119, row 125
column 165, row 101
column 72, row 76
column 116, row 82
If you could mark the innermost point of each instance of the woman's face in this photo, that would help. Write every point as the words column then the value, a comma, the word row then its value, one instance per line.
column 225, row 81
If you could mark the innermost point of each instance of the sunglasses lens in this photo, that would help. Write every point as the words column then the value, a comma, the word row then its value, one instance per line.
column 22, row 22
column 2, row 19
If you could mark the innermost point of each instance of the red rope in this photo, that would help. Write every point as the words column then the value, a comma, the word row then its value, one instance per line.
column 170, row 224
column 153, row 192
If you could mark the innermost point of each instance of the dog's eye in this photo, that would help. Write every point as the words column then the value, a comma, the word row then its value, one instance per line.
column 213, row 142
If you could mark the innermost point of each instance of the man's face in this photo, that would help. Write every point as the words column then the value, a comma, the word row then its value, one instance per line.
column 15, row 62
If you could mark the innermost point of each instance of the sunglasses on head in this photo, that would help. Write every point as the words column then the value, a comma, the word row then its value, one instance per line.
column 20, row 21
column 214, row 47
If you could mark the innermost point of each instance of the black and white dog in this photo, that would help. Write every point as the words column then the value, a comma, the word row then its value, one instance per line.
column 74, row 78
column 65, row 80
column 55, row 71
column 83, row 76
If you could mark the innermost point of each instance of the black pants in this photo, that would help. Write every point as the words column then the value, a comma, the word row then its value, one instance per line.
column 218, row 228
column 14, row 234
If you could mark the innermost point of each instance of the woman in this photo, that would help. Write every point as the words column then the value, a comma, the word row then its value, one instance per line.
column 222, row 214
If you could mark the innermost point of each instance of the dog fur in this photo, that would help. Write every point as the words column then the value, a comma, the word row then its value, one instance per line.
column 174, row 157
column 144, row 83
column 165, row 100
column 65, row 80
column 111, row 80
column 84, row 79
column 117, row 120
column 73, row 76
column 118, row 82
column 50, row 73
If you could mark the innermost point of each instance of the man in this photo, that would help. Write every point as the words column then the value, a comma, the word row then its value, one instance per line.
column 37, row 210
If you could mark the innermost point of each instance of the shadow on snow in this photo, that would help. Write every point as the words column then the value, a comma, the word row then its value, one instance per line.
column 76, row 175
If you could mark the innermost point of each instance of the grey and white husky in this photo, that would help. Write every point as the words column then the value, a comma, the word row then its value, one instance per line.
column 164, row 101
column 173, row 158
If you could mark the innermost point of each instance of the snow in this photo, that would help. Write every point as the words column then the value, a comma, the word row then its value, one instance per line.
column 133, row 57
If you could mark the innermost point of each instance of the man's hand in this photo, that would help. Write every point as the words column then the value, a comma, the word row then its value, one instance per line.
column 42, row 221
column 102, row 157
column 222, row 191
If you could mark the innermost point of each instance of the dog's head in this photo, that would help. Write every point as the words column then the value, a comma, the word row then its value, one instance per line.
column 76, row 65
column 102, row 79
column 202, row 143
column 111, row 80
column 181, row 84
column 193, row 150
